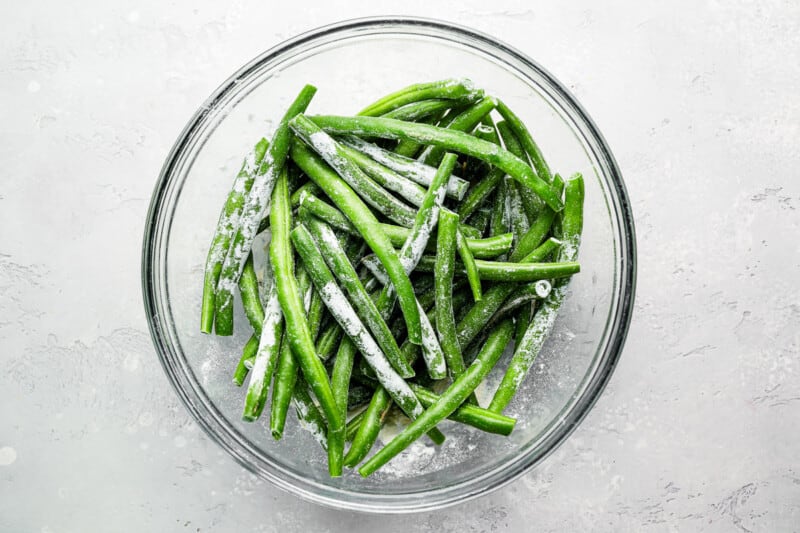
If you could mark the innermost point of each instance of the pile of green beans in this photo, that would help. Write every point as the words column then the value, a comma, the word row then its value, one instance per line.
column 408, row 248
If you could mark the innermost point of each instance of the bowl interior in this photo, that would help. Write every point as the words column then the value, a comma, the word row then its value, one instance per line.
column 351, row 66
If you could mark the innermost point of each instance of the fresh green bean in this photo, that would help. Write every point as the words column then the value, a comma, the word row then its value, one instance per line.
column 341, row 309
column 448, row 402
column 524, row 136
column 449, row 139
column 530, row 202
column 308, row 413
column 479, row 192
column 499, row 270
column 443, row 283
column 415, row 171
column 366, row 223
column 246, row 360
column 297, row 330
column 421, row 109
column 328, row 340
column 538, row 230
column 460, row 90
column 353, row 425
column 251, row 301
column 254, row 208
column 464, row 121
column 370, row 426
column 285, row 376
column 471, row 415
column 225, row 230
column 336, row 258
column 408, row 190
column 471, row 267
column 334, row 154
column 542, row 324
column 268, row 351
column 342, row 371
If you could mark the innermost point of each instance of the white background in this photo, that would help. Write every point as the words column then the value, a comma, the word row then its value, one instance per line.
column 698, row 429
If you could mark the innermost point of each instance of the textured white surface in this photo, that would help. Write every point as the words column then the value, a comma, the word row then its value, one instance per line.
column 698, row 429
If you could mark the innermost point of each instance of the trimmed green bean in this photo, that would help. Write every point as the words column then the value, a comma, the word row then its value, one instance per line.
column 453, row 397
column 341, row 309
column 336, row 258
column 470, row 266
column 538, row 231
column 267, row 354
column 225, row 230
column 530, row 202
column 334, row 154
column 471, row 415
column 449, row 139
column 499, row 270
column 412, row 169
column 251, row 301
column 421, row 109
column 540, row 327
column 255, row 206
column 246, row 360
column 366, row 223
column 308, row 413
column 297, row 330
column 370, row 427
column 531, row 148
column 408, row 190
column 443, row 283
column 342, row 371
column 464, row 121
column 460, row 90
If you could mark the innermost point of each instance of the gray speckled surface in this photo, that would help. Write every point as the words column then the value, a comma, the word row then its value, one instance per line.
column 698, row 428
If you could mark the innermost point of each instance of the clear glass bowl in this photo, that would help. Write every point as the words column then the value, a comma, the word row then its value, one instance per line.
column 352, row 63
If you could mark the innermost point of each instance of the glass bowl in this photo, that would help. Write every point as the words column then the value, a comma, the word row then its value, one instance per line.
column 353, row 63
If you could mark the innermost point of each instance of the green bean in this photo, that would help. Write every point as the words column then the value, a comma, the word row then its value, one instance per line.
column 353, row 426
column 471, row 415
column 448, row 402
column 481, row 221
column 267, row 354
column 297, row 330
column 479, row 314
column 342, row 371
column 334, row 154
column 542, row 324
column 308, row 413
column 254, row 208
column 328, row 340
column 479, row 192
column 225, row 230
column 461, row 90
column 408, row 148
column 308, row 187
column 451, row 140
column 370, row 426
column 531, row 203
column 443, row 282
column 408, row 190
column 464, row 121
column 470, row 265
column 251, row 302
column 421, row 109
column 538, row 230
column 516, row 216
column 366, row 223
column 246, row 360
column 524, row 136
column 500, row 270
column 415, row 171
column 336, row 258
column 481, row 248
column 285, row 376
column 499, row 221
column 341, row 309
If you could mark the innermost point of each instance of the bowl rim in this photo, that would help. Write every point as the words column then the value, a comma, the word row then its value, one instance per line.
column 407, row 502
